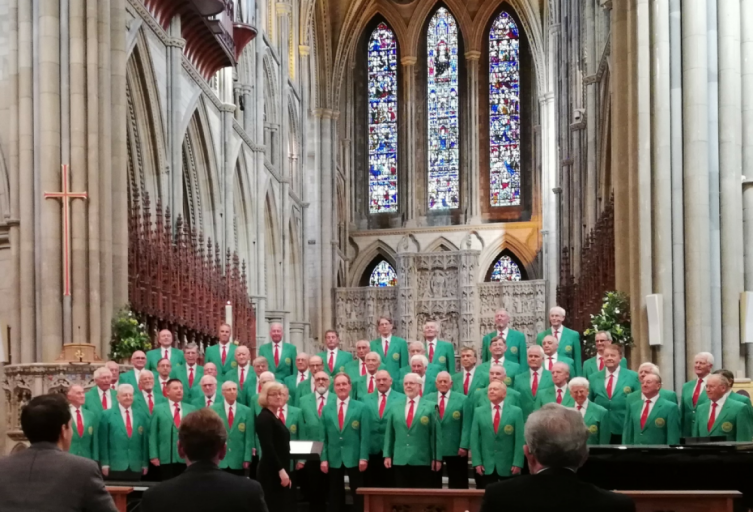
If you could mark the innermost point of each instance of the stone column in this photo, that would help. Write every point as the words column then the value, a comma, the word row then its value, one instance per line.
column 406, row 295
column 473, row 172
column 327, row 194
column 283, row 17
column 746, row 18
column 468, row 298
column 696, row 175
column 591, row 84
column 551, row 197
column 172, row 179
column 661, row 180
column 408, row 194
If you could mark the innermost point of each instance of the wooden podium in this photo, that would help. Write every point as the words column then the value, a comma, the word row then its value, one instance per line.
column 120, row 497
column 469, row 500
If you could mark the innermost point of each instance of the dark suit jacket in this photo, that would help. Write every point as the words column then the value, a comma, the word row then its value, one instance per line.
column 552, row 490
column 44, row 478
column 202, row 487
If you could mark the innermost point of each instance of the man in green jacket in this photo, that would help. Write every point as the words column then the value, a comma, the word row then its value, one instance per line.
column 733, row 395
column 239, row 424
column 412, row 444
column 357, row 367
column 517, row 347
column 163, row 432
column 596, row 363
column 222, row 354
column 122, row 438
column 497, row 438
column 530, row 383
column 438, row 352
column 138, row 361
column 84, row 425
column 279, row 355
column 720, row 416
column 379, row 403
column 652, row 419
column 334, row 357
column 312, row 407
column 301, row 374
column 469, row 378
column 244, row 375
column 101, row 397
column 450, row 404
column 498, row 349
column 693, row 392
column 558, row 393
column 366, row 385
column 611, row 387
column 308, row 386
column 165, row 351
column 208, row 397
column 648, row 369
column 420, row 366
column 164, row 374
column 189, row 373
column 550, row 344
column 345, row 447
column 569, row 340
column 392, row 349
column 145, row 397
column 594, row 416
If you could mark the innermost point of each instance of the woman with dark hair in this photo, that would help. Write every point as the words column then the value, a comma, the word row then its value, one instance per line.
column 274, row 440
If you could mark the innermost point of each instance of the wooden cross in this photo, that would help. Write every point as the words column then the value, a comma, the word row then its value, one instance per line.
column 65, row 197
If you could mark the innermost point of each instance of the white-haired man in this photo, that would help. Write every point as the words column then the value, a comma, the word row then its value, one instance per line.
column 138, row 361
column 239, row 424
column 145, row 398
column 243, row 374
column 720, row 416
column 594, row 416
column 559, row 392
column 415, row 348
column 515, row 341
column 569, row 340
column 646, row 369
column 438, row 352
column 365, row 385
column 426, row 373
column 530, row 383
column 357, row 367
column 208, row 396
column 596, row 363
column 84, row 425
column 450, row 404
column 123, row 439
column 189, row 374
column 101, row 397
column 115, row 371
column 280, row 355
column 694, row 391
column 551, row 355
column 301, row 375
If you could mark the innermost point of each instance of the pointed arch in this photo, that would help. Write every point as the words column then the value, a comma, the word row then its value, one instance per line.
column 243, row 206
column 524, row 256
column 506, row 267
column 273, row 249
column 441, row 244
column 370, row 256
column 426, row 9
column 380, row 273
column 294, row 145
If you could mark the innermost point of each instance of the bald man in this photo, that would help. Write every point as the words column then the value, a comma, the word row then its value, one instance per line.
column 84, row 425
column 568, row 340
column 280, row 355
column 165, row 351
column 222, row 354
column 138, row 361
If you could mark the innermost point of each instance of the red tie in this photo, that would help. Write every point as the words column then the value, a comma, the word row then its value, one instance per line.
column 258, row 388
column 224, row 354
column 164, row 388
column 167, row 354
column 409, row 419
column 381, row 405
column 277, row 355
column 712, row 418
column 209, row 402
column 303, row 375
column 281, row 415
column 697, row 392
column 386, row 347
column 609, row 385
column 431, row 352
column 104, row 399
column 363, row 368
column 644, row 415
column 112, row 386
column 496, row 418
column 151, row 402
column 601, row 363
column 341, row 416
column 441, row 407
column 79, row 423
column 321, row 405
column 556, row 334
column 550, row 363
column 467, row 383
column 559, row 396
column 176, row 416
column 371, row 384
column 496, row 361
column 190, row 377
column 535, row 383
column 331, row 363
column 129, row 427
column 243, row 377
column 230, row 416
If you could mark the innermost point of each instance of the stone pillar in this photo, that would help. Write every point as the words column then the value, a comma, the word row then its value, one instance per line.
column 328, row 242
column 408, row 194
column 661, row 180
column 551, row 197
column 730, row 164
column 746, row 17
column 283, row 18
column 591, row 84
column 696, row 175
column 468, row 299
column 472, row 183
column 172, row 179
column 406, row 295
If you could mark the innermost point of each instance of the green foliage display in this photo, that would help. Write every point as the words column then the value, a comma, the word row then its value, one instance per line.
column 128, row 335
column 614, row 318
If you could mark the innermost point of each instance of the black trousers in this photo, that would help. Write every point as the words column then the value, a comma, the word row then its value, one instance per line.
column 485, row 480
column 314, row 485
column 168, row 471
column 336, row 495
column 124, row 476
column 376, row 475
column 615, row 439
column 456, row 469
column 413, row 477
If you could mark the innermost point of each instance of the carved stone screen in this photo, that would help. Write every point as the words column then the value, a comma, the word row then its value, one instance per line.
column 440, row 286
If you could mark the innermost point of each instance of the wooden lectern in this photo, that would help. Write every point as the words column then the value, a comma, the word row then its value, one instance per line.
column 120, row 497
column 79, row 353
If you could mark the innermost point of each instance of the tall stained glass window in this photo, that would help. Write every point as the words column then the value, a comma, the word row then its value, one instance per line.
column 504, row 112
column 383, row 275
column 382, row 57
column 505, row 269
column 442, row 108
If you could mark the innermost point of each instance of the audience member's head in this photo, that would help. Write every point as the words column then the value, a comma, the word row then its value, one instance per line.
column 556, row 437
column 47, row 419
column 202, row 437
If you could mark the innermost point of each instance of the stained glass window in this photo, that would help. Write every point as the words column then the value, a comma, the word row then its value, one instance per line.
column 504, row 112
column 382, row 57
column 505, row 269
column 383, row 275
column 442, row 108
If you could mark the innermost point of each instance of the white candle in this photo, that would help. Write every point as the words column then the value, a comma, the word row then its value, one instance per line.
column 229, row 317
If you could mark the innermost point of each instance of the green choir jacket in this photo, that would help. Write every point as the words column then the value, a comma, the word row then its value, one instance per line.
column 361, row 387
column 597, row 421
column 511, row 369
column 590, row 366
column 129, row 377
column 378, row 424
column 451, row 423
column 140, row 404
column 341, row 360
column 627, row 382
column 662, row 425
column 353, row 369
column 344, row 448
column 497, row 452
column 200, row 401
column 560, row 359
column 85, row 446
column 162, row 431
column 118, row 451
column 312, row 424
column 666, row 394
column 687, row 410
column 522, row 385
column 734, row 421
column 479, row 380
column 181, row 373
column 287, row 359
column 241, row 436
column 417, row 445
column 549, row 395
column 293, row 421
column 517, row 348
column 481, row 398
column 214, row 355
column 94, row 404
column 249, row 386
column 153, row 357
column 430, row 382
column 569, row 347
column 291, row 382
column 396, row 357
column 444, row 355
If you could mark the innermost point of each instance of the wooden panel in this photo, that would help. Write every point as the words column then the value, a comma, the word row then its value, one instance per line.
column 120, row 496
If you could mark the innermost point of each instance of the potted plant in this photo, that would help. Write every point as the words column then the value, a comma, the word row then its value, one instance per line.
column 128, row 336
column 614, row 318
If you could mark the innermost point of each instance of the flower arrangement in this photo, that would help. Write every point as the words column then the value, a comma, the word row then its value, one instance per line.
column 128, row 335
column 614, row 318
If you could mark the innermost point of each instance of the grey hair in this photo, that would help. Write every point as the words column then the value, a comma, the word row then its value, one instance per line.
column 208, row 378
column 557, row 437
column 226, row 384
column 538, row 348
column 379, row 357
column 101, row 371
column 578, row 382
column 148, row 373
column 191, row 346
column 504, row 371
column 419, row 357
column 412, row 376
column 416, row 344
column 267, row 375
column 707, row 356
column 558, row 310
column 722, row 379
column 125, row 388
column 605, row 333
column 563, row 365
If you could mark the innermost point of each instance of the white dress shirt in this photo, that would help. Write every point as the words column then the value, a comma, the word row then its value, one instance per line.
column 344, row 404
column 503, row 332
column 494, row 411
column 161, row 382
column 333, row 353
column 553, row 357
column 719, row 405
column 73, row 414
column 146, row 394
column 212, row 398
column 172, row 408
column 188, row 369
column 563, row 389
column 298, row 379
column 614, row 380
column 137, row 374
column 500, row 361
column 277, row 345
column 583, row 408
column 246, row 370
column 540, row 371
column 472, row 371
column 651, row 404
column 446, row 396
column 415, row 406
column 319, row 398
column 284, row 412
column 386, row 395
column 388, row 341
column 703, row 384
column 110, row 400
column 123, row 414
column 234, row 405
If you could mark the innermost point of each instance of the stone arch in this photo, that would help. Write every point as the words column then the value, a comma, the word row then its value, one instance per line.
column 243, row 208
column 522, row 253
column 420, row 18
column 441, row 244
column 513, row 257
column 294, row 145
column 273, row 249
column 368, row 256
